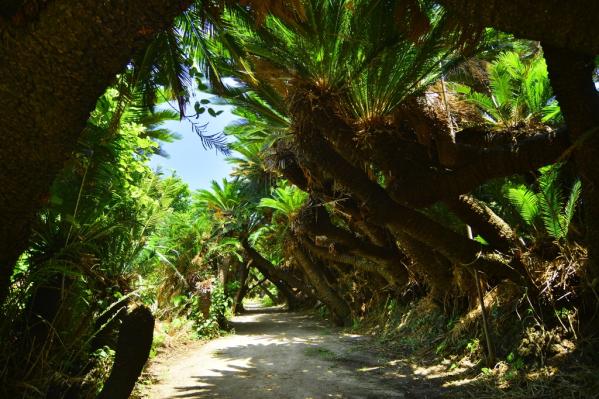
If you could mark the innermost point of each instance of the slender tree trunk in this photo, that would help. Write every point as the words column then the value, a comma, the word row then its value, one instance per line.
column 284, row 282
column 243, row 289
column 266, row 292
column 52, row 72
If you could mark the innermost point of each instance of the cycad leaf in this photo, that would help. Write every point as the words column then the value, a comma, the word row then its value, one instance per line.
column 571, row 205
column 551, row 199
column 526, row 202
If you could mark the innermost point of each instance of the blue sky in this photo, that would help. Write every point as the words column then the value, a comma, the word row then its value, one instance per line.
column 195, row 165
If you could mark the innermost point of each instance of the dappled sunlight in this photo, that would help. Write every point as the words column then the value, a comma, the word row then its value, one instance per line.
column 283, row 355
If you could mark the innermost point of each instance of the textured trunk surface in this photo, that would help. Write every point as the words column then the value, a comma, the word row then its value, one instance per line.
column 571, row 77
column 52, row 72
column 484, row 222
column 284, row 282
column 337, row 305
column 567, row 24
column 243, row 290
column 132, row 352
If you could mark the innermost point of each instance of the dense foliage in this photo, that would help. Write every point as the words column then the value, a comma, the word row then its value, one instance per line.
column 388, row 159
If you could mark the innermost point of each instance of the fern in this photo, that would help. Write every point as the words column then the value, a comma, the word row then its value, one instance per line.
column 551, row 199
column 519, row 92
column 573, row 198
column 526, row 202
column 549, row 203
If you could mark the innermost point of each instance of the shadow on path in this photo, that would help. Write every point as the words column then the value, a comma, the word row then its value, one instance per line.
column 278, row 355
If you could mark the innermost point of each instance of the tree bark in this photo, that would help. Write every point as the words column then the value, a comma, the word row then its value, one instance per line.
column 571, row 24
column 485, row 222
column 243, row 289
column 336, row 304
column 436, row 270
column 571, row 76
column 52, row 72
column 398, row 218
column 284, row 282
column 132, row 352
column 360, row 253
column 358, row 262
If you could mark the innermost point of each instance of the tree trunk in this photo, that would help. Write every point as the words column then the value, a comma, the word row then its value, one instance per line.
column 436, row 270
column 571, row 24
column 132, row 352
column 243, row 289
column 356, row 261
column 52, row 72
column 284, row 282
column 360, row 253
column 266, row 292
column 386, row 212
column 571, row 77
column 339, row 308
column 484, row 222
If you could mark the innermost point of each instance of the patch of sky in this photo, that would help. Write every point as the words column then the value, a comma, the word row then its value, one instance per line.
column 187, row 157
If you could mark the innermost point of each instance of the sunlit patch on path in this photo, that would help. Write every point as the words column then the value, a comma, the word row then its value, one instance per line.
column 279, row 355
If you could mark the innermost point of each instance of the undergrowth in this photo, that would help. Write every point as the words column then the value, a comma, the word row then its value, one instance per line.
column 539, row 346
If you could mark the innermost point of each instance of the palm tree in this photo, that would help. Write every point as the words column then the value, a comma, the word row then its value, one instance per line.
column 345, row 78
column 287, row 201
column 224, row 199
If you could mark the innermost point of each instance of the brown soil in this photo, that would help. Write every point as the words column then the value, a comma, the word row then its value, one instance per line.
column 277, row 355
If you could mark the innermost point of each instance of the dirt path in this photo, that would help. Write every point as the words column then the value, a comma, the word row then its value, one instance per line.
column 278, row 355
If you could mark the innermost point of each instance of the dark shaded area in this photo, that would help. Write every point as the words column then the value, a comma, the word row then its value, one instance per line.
column 338, row 365
column 132, row 352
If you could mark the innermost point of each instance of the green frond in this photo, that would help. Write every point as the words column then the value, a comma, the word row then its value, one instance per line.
column 551, row 200
column 519, row 89
column 573, row 199
column 526, row 202
column 285, row 199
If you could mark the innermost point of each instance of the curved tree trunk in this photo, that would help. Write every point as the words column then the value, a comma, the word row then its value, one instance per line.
column 360, row 253
column 485, row 222
column 52, row 72
column 243, row 289
column 571, row 24
column 132, row 352
column 358, row 262
column 337, row 305
column 398, row 218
